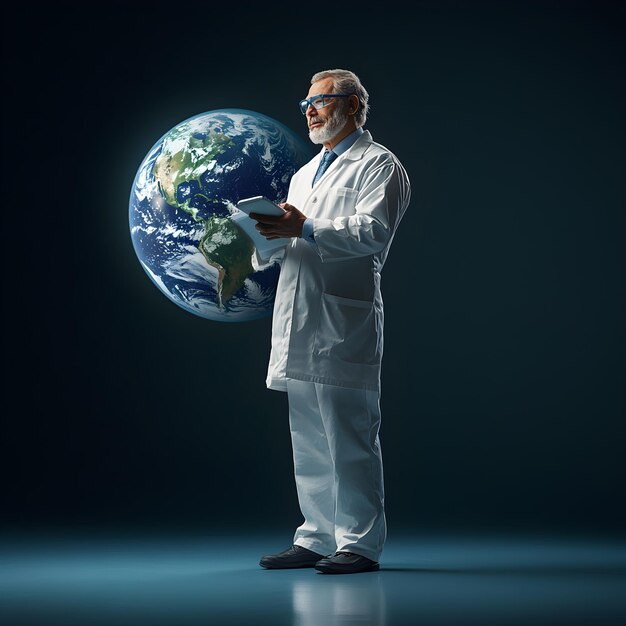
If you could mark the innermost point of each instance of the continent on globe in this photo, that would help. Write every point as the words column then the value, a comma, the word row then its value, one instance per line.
column 181, row 204
column 183, row 160
column 230, row 253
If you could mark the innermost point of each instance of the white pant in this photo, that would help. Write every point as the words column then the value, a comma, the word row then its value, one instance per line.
column 338, row 468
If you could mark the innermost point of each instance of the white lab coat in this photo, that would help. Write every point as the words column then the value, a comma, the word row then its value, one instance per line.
column 328, row 315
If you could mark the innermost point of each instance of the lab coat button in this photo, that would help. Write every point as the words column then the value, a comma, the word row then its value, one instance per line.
column 314, row 199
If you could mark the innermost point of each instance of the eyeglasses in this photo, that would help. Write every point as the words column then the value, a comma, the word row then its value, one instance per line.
column 320, row 101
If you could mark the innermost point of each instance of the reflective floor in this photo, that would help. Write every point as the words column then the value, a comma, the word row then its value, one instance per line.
column 423, row 580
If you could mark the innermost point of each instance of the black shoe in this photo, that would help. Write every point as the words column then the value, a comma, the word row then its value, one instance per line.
column 346, row 563
column 296, row 556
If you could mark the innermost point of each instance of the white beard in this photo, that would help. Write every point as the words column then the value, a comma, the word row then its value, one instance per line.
column 331, row 128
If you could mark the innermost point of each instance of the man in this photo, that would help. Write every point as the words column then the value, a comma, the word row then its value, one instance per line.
column 342, row 211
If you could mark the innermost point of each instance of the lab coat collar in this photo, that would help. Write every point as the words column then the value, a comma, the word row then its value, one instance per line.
column 358, row 147
column 354, row 152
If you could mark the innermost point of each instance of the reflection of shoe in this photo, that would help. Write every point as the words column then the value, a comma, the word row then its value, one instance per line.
column 296, row 556
column 346, row 563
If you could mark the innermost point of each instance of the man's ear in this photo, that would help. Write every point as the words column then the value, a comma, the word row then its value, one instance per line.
column 354, row 104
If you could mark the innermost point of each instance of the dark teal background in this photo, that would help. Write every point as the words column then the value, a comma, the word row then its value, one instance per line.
column 503, row 376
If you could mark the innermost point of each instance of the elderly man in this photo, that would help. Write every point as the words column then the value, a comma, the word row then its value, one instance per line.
column 342, row 211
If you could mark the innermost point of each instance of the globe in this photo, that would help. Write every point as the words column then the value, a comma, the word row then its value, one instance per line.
column 183, row 202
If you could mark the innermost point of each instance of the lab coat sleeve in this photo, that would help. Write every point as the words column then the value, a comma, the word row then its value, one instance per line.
column 260, row 264
column 380, row 203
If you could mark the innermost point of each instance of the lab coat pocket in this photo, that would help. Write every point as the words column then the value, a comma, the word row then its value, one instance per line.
column 346, row 330
column 345, row 200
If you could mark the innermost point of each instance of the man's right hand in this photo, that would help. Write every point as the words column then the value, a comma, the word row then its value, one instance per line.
column 287, row 225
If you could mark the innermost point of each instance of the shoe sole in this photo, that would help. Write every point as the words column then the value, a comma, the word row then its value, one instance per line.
column 330, row 570
column 279, row 566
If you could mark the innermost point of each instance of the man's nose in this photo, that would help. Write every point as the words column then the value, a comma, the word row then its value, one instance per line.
column 311, row 111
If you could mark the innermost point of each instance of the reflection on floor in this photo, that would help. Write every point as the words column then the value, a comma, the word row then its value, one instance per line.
column 216, row 580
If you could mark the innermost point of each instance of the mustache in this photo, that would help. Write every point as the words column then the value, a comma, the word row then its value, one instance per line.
column 314, row 120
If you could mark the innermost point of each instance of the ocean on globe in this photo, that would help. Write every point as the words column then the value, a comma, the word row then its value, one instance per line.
column 181, row 204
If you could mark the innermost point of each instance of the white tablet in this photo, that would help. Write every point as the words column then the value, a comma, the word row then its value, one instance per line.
column 259, row 204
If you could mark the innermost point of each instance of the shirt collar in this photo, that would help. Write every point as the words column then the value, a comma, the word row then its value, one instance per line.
column 346, row 143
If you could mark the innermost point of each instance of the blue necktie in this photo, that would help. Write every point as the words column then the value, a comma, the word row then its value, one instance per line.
column 327, row 159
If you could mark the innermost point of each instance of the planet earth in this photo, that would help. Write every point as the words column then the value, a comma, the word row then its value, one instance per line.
column 182, row 204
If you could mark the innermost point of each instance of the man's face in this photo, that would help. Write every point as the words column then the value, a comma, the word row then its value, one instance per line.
column 325, row 123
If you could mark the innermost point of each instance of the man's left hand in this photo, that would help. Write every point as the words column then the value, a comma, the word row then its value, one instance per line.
column 287, row 225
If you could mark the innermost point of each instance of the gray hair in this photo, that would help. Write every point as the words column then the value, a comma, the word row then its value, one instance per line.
column 345, row 81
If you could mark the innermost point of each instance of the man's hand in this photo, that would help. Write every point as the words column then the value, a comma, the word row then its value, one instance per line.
column 287, row 225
